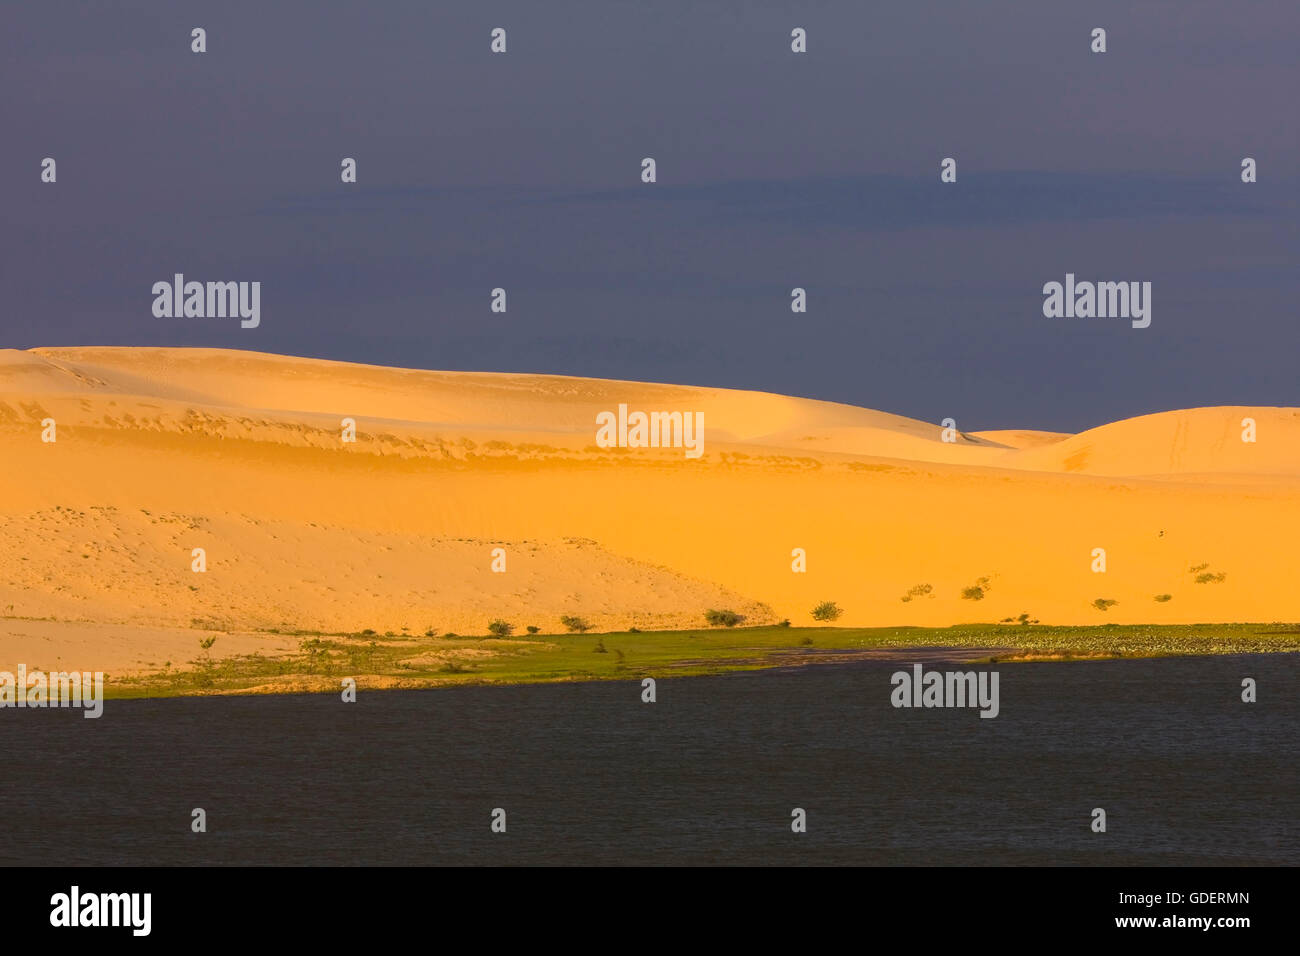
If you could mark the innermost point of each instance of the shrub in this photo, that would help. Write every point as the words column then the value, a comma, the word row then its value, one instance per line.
column 976, row 591
column 533, row 628
column 1162, row 598
column 723, row 618
column 784, row 623
column 806, row 642
column 574, row 623
column 919, row 590
column 500, row 628
column 826, row 611
column 600, row 647
column 1104, row 604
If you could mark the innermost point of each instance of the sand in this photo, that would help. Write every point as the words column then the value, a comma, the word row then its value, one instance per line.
column 160, row 451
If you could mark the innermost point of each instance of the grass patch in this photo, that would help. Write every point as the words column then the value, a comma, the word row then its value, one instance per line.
column 321, row 662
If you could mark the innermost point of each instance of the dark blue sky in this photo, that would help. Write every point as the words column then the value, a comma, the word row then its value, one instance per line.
column 775, row 170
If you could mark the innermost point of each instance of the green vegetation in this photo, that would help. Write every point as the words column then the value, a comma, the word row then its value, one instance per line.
column 323, row 660
column 575, row 624
column 500, row 628
column 826, row 611
column 722, row 618
column 919, row 590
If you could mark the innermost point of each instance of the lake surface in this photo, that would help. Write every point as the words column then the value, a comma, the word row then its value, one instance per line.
column 587, row 773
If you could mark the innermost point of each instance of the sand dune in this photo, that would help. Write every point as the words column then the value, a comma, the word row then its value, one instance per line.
column 160, row 451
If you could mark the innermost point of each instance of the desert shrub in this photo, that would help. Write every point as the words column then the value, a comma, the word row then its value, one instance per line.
column 976, row 591
column 784, row 623
column 827, row 611
column 919, row 590
column 575, row 623
column 533, row 629
column 1104, row 604
column 1162, row 598
column 1208, row 578
column 723, row 618
column 500, row 628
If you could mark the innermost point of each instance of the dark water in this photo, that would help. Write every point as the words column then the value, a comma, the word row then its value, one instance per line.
column 587, row 773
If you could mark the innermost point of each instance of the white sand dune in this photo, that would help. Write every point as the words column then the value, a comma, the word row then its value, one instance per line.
column 160, row 451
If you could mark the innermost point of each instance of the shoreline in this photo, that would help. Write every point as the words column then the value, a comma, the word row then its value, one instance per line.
column 322, row 662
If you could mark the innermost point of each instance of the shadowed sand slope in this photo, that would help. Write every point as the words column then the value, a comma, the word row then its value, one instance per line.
column 160, row 451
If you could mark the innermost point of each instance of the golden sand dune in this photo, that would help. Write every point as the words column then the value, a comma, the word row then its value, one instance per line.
column 161, row 451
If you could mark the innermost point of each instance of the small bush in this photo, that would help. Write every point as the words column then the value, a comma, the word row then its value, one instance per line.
column 1162, row 598
column 500, row 628
column 634, row 630
column 919, row 590
column 806, row 642
column 1104, row 604
column 600, row 647
column 723, row 618
column 533, row 629
column 976, row 591
column 827, row 611
column 575, row 623
column 784, row 623
column 1208, row 578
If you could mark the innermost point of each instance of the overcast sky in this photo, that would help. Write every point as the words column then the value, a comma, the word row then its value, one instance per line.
column 775, row 170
